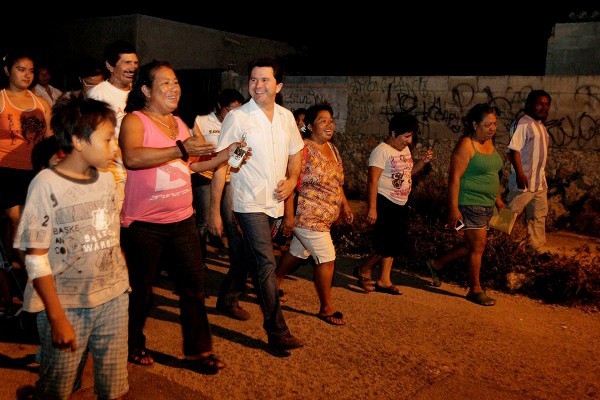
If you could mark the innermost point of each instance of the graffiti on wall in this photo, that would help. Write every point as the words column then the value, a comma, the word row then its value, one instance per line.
column 372, row 101
column 297, row 96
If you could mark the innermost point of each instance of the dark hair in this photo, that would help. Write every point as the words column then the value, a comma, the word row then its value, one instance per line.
column 311, row 116
column 299, row 111
column 136, row 100
column 476, row 114
column 113, row 51
column 9, row 61
column 42, row 152
column 78, row 117
column 90, row 67
column 226, row 97
column 11, row 58
column 40, row 67
column 313, row 111
column 267, row 62
column 402, row 123
column 532, row 98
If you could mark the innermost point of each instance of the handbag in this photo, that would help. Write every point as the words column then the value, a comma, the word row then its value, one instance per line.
column 504, row 220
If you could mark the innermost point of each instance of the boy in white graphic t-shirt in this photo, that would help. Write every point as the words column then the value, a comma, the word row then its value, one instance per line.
column 78, row 280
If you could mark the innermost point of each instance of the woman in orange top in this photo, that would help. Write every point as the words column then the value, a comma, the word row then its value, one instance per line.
column 24, row 121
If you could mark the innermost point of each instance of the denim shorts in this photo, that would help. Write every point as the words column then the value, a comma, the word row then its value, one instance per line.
column 476, row 217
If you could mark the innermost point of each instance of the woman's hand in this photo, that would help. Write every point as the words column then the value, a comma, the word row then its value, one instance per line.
column 287, row 225
column 347, row 215
column 372, row 216
column 231, row 149
column 500, row 204
column 428, row 156
column 453, row 217
column 197, row 146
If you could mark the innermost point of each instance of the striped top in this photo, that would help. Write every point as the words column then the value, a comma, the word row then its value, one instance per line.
column 530, row 138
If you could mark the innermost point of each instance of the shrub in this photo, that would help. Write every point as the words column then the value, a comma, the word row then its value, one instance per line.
column 508, row 265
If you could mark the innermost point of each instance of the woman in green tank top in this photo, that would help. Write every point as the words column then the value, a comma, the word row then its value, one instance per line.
column 473, row 190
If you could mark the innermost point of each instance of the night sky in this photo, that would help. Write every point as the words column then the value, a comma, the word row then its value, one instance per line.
column 496, row 38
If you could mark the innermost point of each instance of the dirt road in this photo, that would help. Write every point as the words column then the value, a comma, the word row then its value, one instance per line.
column 429, row 343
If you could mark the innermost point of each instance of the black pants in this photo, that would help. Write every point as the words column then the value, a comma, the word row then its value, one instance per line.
column 143, row 243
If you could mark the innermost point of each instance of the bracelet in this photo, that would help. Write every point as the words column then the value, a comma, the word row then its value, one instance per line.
column 184, row 154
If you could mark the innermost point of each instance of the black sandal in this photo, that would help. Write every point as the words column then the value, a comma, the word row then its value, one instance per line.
column 141, row 357
column 209, row 365
column 366, row 284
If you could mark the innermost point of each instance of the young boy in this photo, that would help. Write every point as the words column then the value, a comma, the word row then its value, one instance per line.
column 78, row 279
column 389, row 183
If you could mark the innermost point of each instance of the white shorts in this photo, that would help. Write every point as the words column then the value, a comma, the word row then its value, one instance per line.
column 306, row 242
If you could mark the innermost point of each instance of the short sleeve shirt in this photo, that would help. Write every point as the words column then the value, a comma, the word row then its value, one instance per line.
column 395, row 182
column 530, row 138
column 77, row 221
column 272, row 143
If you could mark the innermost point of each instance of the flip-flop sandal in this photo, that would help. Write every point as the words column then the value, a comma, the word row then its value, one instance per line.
column 366, row 284
column 337, row 318
column 392, row 289
column 141, row 357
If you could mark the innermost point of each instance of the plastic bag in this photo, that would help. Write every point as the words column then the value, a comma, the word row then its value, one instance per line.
column 504, row 220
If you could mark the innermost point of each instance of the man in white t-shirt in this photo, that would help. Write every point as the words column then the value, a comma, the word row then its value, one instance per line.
column 260, row 186
column 528, row 189
column 122, row 62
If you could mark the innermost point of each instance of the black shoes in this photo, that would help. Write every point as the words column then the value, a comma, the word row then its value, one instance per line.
column 285, row 342
column 235, row 312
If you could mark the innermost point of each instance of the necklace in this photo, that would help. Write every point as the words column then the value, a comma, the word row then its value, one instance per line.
column 172, row 129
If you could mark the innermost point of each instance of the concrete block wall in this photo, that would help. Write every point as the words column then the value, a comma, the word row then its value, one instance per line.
column 440, row 102
column 574, row 49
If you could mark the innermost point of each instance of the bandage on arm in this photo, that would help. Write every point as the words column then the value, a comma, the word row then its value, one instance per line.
column 37, row 265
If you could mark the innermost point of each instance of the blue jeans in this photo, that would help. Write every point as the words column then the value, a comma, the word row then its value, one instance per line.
column 143, row 243
column 256, row 229
column 234, row 283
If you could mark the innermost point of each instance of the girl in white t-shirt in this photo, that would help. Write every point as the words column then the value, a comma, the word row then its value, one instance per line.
column 389, row 183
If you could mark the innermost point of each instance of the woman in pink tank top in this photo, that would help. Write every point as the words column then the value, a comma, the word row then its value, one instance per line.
column 157, row 214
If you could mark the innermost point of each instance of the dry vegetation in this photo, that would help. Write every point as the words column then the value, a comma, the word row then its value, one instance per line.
column 508, row 265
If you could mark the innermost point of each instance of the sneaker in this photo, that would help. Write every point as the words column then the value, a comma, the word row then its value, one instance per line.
column 480, row 298
column 235, row 312
column 285, row 342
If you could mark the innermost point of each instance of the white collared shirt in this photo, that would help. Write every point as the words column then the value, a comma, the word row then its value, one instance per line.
column 272, row 143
